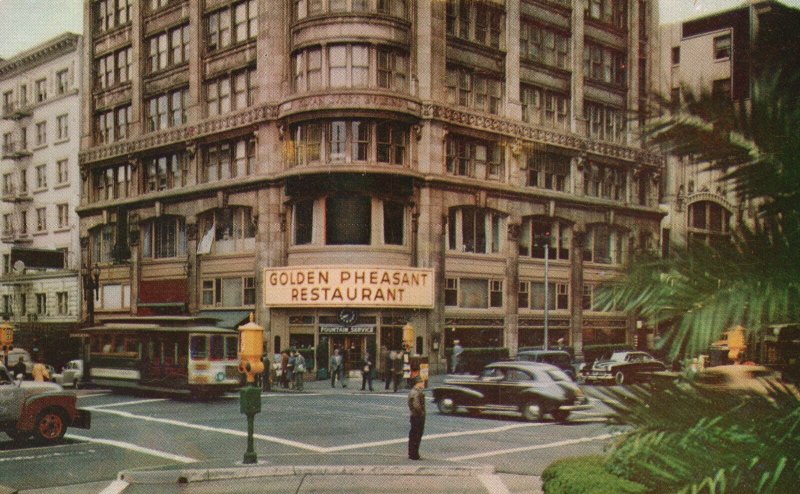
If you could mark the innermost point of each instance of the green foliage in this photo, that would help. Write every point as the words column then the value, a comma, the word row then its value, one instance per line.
column 473, row 360
column 585, row 475
column 682, row 439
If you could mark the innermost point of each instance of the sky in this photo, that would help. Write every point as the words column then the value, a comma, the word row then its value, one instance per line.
column 25, row 23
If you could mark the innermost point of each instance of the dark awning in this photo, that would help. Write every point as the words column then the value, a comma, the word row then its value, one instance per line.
column 230, row 319
column 38, row 258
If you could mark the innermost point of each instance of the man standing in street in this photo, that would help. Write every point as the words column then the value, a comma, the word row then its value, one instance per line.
column 19, row 369
column 336, row 367
column 416, row 407
column 455, row 360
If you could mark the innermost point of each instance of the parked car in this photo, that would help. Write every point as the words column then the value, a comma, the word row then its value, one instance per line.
column 531, row 388
column 71, row 374
column 40, row 409
column 623, row 368
column 559, row 358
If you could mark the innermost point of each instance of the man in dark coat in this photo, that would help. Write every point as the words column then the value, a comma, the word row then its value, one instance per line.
column 416, row 408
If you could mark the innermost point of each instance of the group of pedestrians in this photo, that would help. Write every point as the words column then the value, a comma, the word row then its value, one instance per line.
column 336, row 366
column 292, row 369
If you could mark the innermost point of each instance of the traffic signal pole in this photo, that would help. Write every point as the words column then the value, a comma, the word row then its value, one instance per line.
column 546, row 290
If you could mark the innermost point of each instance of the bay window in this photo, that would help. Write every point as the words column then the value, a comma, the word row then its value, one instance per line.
column 349, row 141
column 348, row 220
column 164, row 172
column 164, row 237
column 231, row 159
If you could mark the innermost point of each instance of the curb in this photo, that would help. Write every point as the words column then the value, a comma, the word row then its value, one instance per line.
column 185, row 476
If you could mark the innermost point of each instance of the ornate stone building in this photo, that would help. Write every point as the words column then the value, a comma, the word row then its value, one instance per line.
column 40, row 129
column 238, row 151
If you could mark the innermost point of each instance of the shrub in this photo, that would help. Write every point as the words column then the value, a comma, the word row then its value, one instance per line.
column 585, row 475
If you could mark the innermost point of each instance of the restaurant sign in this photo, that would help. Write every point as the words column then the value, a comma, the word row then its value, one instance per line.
column 337, row 329
column 348, row 286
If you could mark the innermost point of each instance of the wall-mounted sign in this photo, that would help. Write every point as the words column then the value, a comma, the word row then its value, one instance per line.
column 336, row 329
column 348, row 286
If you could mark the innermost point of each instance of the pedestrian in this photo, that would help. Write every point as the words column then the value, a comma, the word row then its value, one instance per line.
column 19, row 369
column 416, row 408
column 290, row 368
column 39, row 371
column 455, row 359
column 366, row 371
column 397, row 369
column 381, row 359
column 299, row 370
column 388, row 369
column 336, row 366
column 266, row 376
column 284, row 369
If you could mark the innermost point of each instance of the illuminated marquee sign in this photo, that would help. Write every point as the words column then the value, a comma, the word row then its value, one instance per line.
column 351, row 286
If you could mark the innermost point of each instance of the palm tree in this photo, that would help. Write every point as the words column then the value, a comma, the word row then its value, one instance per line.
column 699, row 291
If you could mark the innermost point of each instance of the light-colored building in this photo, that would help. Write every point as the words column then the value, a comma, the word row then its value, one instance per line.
column 259, row 156
column 40, row 185
column 714, row 54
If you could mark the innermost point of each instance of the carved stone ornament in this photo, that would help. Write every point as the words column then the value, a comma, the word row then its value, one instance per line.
column 514, row 230
column 191, row 232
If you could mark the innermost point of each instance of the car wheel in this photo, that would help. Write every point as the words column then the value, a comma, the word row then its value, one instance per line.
column 532, row 412
column 560, row 415
column 50, row 425
column 620, row 378
column 446, row 406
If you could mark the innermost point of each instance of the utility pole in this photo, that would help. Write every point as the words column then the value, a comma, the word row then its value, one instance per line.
column 546, row 288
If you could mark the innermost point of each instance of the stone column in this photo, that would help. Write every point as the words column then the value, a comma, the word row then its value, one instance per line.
column 513, row 103
column 511, row 335
column 633, row 69
column 194, row 112
column 133, row 240
column 578, row 118
column 192, row 266
column 576, row 289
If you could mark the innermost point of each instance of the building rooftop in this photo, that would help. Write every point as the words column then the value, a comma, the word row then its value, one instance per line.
column 41, row 53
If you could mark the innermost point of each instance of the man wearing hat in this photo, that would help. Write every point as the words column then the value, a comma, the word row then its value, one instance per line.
column 416, row 407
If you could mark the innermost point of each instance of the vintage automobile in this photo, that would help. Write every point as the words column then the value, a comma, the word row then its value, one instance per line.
column 530, row 388
column 743, row 379
column 41, row 409
column 559, row 358
column 71, row 374
column 623, row 368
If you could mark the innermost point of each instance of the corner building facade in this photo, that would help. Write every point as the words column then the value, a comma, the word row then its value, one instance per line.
column 229, row 139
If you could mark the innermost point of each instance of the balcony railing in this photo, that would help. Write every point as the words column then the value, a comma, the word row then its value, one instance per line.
column 11, row 194
column 15, row 111
column 15, row 150
column 13, row 236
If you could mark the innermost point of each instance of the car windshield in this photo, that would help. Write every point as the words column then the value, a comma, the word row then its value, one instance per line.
column 557, row 375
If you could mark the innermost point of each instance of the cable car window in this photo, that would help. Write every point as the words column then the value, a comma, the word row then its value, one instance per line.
column 198, row 347
column 217, row 347
column 231, row 347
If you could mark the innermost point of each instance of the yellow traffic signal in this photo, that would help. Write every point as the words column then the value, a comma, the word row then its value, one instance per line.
column 6, row 336
column 251, row 349
column 408, row 336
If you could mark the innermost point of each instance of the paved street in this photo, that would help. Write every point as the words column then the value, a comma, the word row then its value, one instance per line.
column 332, row 426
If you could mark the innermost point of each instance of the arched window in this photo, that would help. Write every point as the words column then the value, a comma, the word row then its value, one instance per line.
column 535, row 228
column 472, row 229
column 164, row 237
column 709, row 223
column 604, row 244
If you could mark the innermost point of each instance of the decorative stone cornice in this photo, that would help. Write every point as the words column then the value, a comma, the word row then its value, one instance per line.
column 348, row 101
column 60, row 45
column 710, row 196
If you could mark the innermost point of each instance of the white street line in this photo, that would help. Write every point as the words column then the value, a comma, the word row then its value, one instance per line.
column 532, row 448
column 206, row 428
column 494, row 484
column 116, row 487
column 134, row 447
column 125, row 403
column 431, row 436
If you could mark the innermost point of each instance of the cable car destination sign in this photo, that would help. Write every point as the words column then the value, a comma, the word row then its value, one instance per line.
column 348, row 286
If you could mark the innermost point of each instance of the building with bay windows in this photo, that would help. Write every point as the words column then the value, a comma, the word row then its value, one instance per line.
column 40, row 128
column 415, row 150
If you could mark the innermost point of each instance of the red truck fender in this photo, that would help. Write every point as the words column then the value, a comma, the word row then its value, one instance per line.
column 34, row 405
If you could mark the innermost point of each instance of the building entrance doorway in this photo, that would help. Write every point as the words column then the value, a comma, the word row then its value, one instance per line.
column 352, row 348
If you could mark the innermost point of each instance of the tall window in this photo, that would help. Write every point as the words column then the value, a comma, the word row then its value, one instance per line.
column 308, row 70
column 164, row 172
column 62, row 82
column 604, row 64
column 40, row 87
column 306, row 8
column 167, row 110
column 164, row 237
column 348, row 220
column 392, row 69
column 605, row 122
column 611, row 12
column 722, row 47
column 109, row 14
column 229, row 292
column 63, row 303
column 475, row 230
column 604, row 245
column 393, row 222
column 231, row 25
column 531, row 295
column 63, row 215
column 474, row 158
column 41, row 219
column 544, row 107
column 349, row 141
column 234, row 229
column 41, row 177
column 229, row 159
column 41, row 133
column 168, row 48
column 548, row 171
column 112, row 125
column 41, row 304
column 488, row 26
column 544, row 45
column 604, row 181
column 303, row 215
column 113, row 68
column 235, row 91
column 113, row 182
column 533, row 233
column 709, row 223
column 102, row 239
column 481, row 92
column 62, row 127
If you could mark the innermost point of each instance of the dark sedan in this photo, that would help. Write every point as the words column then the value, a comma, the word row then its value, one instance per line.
column 533, row 389
column 624, row 368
